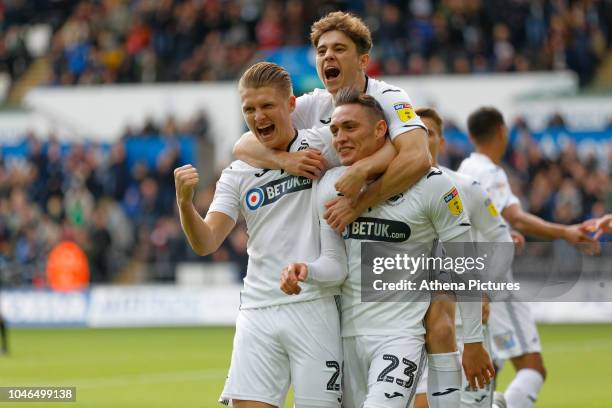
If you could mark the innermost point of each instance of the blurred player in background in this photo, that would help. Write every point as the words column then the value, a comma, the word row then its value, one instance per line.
column 511, row 324
column 487, row 226
column 279, row 339
column 342, row 43
column 384, row 340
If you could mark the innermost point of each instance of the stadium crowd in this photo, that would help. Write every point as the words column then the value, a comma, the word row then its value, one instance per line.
column 123, row 216
column 115, row 41
column 126, row 219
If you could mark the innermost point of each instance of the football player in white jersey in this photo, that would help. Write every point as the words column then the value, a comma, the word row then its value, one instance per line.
column 342, row 42
column 384, row 341
column 279, row 339
column 487, row 226
column 511, row 324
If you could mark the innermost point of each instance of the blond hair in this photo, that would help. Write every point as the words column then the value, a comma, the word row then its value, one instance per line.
column 264, row 74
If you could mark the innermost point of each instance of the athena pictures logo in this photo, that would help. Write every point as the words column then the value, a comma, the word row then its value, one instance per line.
column 254, row 198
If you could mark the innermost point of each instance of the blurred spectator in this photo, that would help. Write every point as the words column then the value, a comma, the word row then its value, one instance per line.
column 180, row 40
column 123, row 215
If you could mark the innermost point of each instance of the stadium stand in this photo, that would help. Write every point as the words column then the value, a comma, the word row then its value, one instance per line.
column 171, row 40
column 118, row 200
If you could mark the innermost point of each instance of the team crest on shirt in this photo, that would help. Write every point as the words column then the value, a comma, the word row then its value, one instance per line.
column 453, row 201
column 491, row 208
column 404, row 111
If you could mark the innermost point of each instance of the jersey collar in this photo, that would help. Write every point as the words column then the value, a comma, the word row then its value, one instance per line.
column 482, row 157
column 292, row 140
column 367, row 79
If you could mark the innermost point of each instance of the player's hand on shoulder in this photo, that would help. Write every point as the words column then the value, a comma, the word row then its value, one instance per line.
column 291, row 276
column 477, row 365
column 308, row 163
column 186, row 178
column 340, row 212
column 352, row 182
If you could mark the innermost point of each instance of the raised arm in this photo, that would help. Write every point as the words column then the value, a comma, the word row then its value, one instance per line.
column 205, row 235
column 307, row 163
column 410, row 165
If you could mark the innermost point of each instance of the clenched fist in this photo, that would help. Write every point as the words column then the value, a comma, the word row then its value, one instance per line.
column 186, row 178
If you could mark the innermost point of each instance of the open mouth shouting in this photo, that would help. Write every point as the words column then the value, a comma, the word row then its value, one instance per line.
column 266, row 130
column 331, row 73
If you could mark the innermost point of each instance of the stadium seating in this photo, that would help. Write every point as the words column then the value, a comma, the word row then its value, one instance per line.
column 161, row 41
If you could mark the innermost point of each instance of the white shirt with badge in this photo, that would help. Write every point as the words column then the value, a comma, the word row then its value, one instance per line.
column 492, row 178
column 314, row 109
column 428, row 211
column 480, row 208
column 281, row 223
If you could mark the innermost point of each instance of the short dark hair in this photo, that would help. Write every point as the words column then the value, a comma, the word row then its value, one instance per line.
column 264, row 74
column 432, row 114
column 483, row 123
column 352, row 96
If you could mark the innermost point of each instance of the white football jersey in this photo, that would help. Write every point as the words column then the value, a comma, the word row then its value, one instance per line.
column 314, row 109
column 487, row 224
column 416, row 219
column 492, row 178
column 484, row 217
column 281, row 223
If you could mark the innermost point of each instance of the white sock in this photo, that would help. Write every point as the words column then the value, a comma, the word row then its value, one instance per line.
column 444, row 380
column 523, row 390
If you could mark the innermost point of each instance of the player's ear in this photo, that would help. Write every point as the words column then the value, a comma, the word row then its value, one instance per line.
column 364, row 59
column 292, row 103
column 381, row 129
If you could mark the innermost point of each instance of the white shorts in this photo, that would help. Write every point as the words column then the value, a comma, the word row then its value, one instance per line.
column 276, row 345
column 382, row 371
column 513, row 330
column 481, row 398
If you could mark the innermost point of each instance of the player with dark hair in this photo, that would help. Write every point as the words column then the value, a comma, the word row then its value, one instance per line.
column 487, row 226
column 342, row 42
column 511, row 324
column 384, row 340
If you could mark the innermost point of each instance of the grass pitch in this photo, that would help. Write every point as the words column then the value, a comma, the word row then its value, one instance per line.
column 186, row 367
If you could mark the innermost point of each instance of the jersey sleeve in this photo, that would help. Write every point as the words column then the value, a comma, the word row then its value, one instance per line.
column 399, row 112
column 500, row 191
column 484, row 215
column 302, row 112
column 227, row 195
column 331, row 268
column 444, row 206
column 321, row 139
